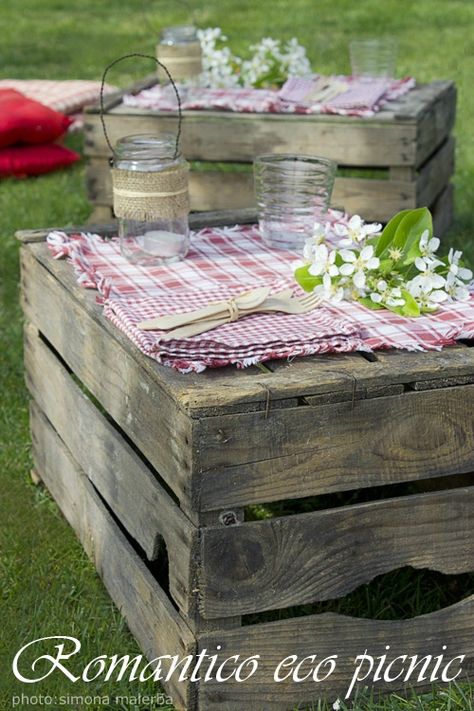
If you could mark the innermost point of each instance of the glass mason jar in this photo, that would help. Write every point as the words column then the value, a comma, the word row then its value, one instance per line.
column 151, row 199
column 293, row 192
column 179, row 49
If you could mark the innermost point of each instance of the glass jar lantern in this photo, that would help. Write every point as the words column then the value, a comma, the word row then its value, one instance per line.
column 179, row 49
column 151, row 199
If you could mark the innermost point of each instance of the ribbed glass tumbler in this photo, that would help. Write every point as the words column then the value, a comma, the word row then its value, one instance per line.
column 293, row 192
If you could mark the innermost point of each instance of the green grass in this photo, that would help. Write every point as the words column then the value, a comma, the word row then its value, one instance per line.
column 47, row 585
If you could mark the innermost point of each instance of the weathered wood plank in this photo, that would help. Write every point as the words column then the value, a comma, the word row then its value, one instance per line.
column 435, row 174
column 123, row 480
column 196, row 221
column 304, row 451
column 150, row 615
column 130, row 394
column 330, row 634
column 386, row 367
column 227, row 136
column 306, row 558
column 443, row 211
column 212, row 189
column 435, row 120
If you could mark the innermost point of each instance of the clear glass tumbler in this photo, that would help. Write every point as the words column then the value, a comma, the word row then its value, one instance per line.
column 373, row 58
column 293, row 192
column 158, row 234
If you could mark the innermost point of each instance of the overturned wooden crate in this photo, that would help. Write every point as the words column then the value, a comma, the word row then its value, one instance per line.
column 403, row 157
column 160, row 468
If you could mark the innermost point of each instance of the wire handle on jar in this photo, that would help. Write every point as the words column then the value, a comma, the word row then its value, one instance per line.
column 143, row 56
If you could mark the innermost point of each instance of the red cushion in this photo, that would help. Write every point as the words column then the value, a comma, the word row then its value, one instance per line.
column 21, row 161
column 23, row 120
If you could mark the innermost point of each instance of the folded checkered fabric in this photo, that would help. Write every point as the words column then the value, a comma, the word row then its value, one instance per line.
column 357, row 98
column 227, row 261
column 163, row 98
column 68, row 96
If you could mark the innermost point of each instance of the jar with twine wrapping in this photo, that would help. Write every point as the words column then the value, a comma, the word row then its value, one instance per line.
column 180, row 50
column 151, row 199
column 150, row 191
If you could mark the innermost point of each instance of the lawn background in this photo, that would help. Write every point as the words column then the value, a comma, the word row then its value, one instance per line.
column 47, row 585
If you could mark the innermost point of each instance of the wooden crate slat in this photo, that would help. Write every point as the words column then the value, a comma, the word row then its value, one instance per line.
column 435, row 174
column 443, row 211
column 305, row 451
column 134, row 399
column 120, row 476
column 374, row 199
column 435, row 121
column 150, row 615
column 328, row 634
column 306, row 558
column 385, row 367
column 227, row 136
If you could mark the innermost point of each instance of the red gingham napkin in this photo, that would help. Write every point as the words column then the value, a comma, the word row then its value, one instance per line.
column 359, row 99
column 228, row 261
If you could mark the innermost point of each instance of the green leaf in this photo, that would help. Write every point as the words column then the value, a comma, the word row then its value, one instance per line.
column 306, row 280
column 388, row 233
column 386, row 266
column 411, row 228
column 410, row 307
column 366, row 301
column 403, row 232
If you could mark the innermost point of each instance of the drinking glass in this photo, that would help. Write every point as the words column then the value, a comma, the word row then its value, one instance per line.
column 373, row 58
column 293, row 192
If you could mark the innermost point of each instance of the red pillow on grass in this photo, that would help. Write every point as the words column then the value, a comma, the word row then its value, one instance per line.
column 20, row 161
column 24, row 120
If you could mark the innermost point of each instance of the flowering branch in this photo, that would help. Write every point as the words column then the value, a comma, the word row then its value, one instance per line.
column 396, row 269
column 270, row 65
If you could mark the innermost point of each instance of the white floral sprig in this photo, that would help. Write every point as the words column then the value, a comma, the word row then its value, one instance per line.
column 271, row 62
column 398, row 268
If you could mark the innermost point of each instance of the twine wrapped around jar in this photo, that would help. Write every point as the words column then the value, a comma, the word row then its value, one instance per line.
column 182, row 60
column 146, row 196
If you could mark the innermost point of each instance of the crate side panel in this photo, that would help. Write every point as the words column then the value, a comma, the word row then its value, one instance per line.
column 296, row 452
column 149, row 614
column 221, row 136
column 123, row 480
column 95, row 351
column 330, row 634
column 306, row 558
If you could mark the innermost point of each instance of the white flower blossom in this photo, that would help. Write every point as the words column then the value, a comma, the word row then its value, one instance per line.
column 323, row 262
column 455, row 269
column 320, row 233
column 428, row 247
column 390, row 296
column 456, row 288
column 336, row 705
column 329, row 291
column 356, row 231
column 428, row 279
column 356, row 265
column 430, row 299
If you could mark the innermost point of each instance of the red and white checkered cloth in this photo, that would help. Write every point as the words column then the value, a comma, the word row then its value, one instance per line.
column 68, row 96
column 225, row 262
column 358, row 98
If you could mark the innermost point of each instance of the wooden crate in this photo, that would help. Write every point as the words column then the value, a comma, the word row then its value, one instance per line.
column 404, row 155
column 149, row 465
